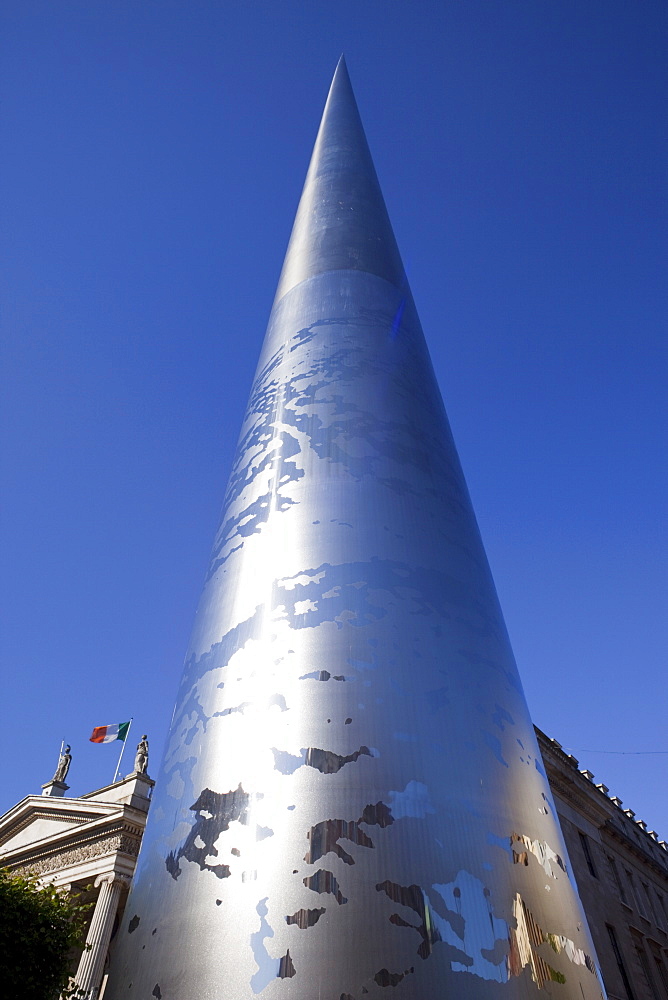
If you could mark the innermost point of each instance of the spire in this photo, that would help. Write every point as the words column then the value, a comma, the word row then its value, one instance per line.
column 342, row 222
column 351, row 733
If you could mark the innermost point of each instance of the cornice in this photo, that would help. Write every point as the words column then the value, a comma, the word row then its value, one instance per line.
column 102, row 846
column 133, row 818
column 646, row 859
column 563, row 767
column 43, row 807
column 119, row 828
column 579, row 798
column 58, row 816
column 138, row 777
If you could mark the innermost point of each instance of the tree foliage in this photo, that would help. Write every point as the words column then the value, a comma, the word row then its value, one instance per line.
column 39, row 926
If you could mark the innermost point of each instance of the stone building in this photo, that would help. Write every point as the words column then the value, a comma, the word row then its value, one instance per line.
column 621, row 867
column 88, row 845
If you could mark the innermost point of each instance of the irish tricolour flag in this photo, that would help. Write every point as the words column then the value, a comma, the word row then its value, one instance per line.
column 107, row 734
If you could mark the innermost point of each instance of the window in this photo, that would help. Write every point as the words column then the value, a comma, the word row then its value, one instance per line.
column 618, row 881
column 661, row 973
column 642, row 958
column 584, row 840
column 620, row 962
column 650, row 901
column 640, row 907
column 661, row 912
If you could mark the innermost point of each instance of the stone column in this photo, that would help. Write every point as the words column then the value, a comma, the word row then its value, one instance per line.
column 91, row 966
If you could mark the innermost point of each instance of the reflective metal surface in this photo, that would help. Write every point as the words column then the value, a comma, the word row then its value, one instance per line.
column 352, row 801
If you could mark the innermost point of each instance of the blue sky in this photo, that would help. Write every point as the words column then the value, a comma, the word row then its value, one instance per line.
column 153, row 156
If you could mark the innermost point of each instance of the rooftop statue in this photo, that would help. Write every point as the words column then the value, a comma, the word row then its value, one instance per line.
column 141, row 757
column 63, row 767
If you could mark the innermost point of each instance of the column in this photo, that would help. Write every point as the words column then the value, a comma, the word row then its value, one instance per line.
column 91, row 966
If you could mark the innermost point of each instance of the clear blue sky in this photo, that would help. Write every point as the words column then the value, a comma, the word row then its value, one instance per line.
column 153, row 155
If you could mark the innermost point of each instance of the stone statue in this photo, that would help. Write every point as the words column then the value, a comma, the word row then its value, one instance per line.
column 64, row 762
column 141, row 758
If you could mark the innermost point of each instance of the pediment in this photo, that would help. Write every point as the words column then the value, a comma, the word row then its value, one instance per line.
column 39, row 818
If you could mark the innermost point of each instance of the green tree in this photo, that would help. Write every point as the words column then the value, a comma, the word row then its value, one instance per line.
column 39, row 927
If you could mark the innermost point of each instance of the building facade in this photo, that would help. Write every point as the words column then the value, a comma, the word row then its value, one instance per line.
column 621, row 869
column 88, row 846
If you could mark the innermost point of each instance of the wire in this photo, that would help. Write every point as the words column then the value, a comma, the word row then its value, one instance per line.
column 624, row 753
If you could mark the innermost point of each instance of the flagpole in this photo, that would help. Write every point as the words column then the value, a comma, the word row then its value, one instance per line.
column 118, row 766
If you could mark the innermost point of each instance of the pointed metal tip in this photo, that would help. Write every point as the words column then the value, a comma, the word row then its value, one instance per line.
column 342, row 222
column 341, row 73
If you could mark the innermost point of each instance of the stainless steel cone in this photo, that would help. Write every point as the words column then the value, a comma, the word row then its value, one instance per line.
column 352, row 802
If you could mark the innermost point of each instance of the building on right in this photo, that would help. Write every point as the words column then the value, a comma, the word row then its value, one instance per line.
column 621, row 870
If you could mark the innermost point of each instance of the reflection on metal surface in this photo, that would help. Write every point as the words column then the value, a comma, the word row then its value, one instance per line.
column 286, row 967
column 413, row 897
column 306, row 918
column 267, row 967
column 329, row 762
column 325, row 836
column 324, row 881
column 387, row 978
column 494, row 744
column 413, row 801
column 377, row 815
column 483, row 934
column 547, row 858
column 214, row 812
column 276, row 700
column 325, row 761
column 349, row 683
column 322, row 675
column 481, row 931
column 527, row 937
